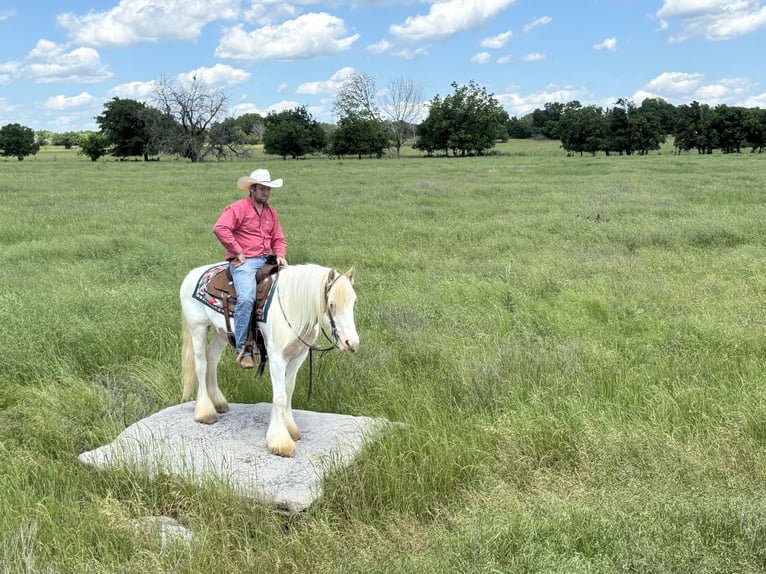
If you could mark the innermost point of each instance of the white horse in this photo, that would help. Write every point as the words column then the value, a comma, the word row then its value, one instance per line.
column 304, row 297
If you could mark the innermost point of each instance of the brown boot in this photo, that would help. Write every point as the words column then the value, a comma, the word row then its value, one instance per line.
column 246, row 361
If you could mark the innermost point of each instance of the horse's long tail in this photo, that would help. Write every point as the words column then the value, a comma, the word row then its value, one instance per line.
column 188, row 376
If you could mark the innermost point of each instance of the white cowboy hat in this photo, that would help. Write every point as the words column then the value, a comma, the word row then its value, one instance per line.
column 261, row 176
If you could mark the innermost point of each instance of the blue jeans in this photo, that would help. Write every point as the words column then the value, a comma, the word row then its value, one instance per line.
column 244, row 283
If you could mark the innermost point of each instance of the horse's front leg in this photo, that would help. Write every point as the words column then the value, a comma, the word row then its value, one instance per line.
column 290, row 374
column 214, row 351
column 278, row 439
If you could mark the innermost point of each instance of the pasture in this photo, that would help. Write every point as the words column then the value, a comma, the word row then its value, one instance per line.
column 576, row 346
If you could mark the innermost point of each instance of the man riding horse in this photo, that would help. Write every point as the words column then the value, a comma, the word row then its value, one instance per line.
column 249, row 230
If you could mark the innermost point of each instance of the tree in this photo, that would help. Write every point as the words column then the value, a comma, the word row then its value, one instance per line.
column 252, row 127
column 18, row 141
column 729, row 123
column 359, row 136
column 357, row 97
column 755, row 129
column 398, row 106
column 188, row 112
column 93, row 145
column 67, row 139
column 127, row 127
column 402, row 103
column 519, row 128
column 582, row 129
column 226, row 139
column 468, row 121
column 292, row 133
column 694, row 128
column 545, row 121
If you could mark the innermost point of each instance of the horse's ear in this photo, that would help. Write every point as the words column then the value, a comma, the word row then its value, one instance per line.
column 350, row 274
column 331, row 276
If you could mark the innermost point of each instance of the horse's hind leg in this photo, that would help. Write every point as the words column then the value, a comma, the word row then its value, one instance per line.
column 204, row 410
column 214, row 351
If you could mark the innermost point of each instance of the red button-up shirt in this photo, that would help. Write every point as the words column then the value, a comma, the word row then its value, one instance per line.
column 241, row 230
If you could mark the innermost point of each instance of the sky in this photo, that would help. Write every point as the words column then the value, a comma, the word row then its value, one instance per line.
column 62, row 60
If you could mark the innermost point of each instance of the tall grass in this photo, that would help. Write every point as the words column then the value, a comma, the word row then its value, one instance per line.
column 575, row 345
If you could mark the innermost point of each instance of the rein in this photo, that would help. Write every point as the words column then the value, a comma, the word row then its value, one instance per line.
column 312, row 347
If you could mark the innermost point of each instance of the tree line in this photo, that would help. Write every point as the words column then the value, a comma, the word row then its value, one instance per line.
column 189, row 121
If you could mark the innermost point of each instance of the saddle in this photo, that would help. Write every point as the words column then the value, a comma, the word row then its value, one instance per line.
column 222, row 286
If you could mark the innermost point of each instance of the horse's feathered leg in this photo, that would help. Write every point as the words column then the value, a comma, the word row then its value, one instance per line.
column 278, row 439
column 290, row 373
column 214, row 351
column 204, row 410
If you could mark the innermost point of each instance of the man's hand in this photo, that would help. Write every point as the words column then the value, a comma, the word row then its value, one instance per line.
column 281, row 261
column 238, row 260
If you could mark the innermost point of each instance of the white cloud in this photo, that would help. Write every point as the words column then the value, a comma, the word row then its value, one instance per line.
column 139, row 91
column 68, row 102
column 517, row 104
column 608, row 44
column 504, row 59
column 219, row 75
column 136, row 21
column 330, row 86
column 446, row 18
column 533, row 57
column 715, row 20
column 682, row 88
column 382, row 47
column 537, row 23
column 675, row 82
column 498, row 41
column 481, row 58
column 50, row 62
column 307, row 36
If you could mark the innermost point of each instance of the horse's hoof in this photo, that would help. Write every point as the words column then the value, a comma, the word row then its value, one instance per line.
column 224, row 408
column 286, row 450
column 295, row 434
column 205, row 419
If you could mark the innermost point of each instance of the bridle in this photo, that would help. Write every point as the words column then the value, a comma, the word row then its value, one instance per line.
column 312, row 346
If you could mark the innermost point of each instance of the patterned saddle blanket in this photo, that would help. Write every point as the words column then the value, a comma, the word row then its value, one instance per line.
column 264, row 292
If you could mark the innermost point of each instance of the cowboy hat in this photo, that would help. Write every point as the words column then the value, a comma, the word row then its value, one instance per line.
column 261, row 176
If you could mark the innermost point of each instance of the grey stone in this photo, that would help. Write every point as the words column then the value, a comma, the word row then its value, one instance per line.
column 164, row 528
column 234, row 450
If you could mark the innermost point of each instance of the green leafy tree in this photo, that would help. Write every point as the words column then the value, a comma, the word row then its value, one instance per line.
column 67, row 139
column 252, row 127
column 545, row 121
column 18, row 141
column 582, row 129
column 471, row 119
column 729, row 125
column 226, row 139
column 93, row 145
column 292, row 133
column 755, row 129
column 694, row 128
column 359, row 136
column 519, row 128
column 126, row 125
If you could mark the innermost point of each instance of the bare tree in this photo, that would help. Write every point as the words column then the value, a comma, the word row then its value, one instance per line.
column 402, row 103
column 189, row 111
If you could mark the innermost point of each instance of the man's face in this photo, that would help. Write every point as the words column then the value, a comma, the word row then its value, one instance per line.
column 260, row 193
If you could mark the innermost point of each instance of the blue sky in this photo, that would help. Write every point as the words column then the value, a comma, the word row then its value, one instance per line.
column 60, row 61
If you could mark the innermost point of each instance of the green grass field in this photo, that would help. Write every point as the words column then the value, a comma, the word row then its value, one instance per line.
column 576, row 346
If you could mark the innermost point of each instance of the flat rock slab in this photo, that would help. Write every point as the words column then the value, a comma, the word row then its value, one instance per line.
column 234, row 450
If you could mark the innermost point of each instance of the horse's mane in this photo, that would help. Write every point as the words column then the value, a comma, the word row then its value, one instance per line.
column 300, row 294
